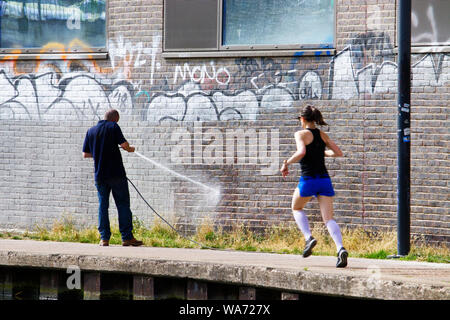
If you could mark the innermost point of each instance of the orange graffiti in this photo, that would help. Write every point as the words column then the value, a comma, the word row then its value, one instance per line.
column 12, row 57
column 75, row 46
column 50, row 47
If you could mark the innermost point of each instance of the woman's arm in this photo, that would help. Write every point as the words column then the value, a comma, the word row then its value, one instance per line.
column 301, row 149
column 334, row 151
column 297, row 156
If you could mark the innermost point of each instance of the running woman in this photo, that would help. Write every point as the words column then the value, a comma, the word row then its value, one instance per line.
column 313, row 145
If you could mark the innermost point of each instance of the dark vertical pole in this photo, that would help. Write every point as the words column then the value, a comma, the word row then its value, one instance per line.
column 403, row 126
column 2, row 7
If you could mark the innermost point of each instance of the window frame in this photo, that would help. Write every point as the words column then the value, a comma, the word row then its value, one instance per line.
column 249, row 50
column 37, row 53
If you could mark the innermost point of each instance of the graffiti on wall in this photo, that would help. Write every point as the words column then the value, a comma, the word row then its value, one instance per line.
column 207, row 91
column 67, row 89
column 55, row 96
column 212, row 93
column 366, row 66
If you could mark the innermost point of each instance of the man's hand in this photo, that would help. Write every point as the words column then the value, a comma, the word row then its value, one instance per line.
column 126, row 146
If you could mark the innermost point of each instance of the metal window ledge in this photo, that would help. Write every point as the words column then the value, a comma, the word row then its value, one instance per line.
column 254, row 53
column 54, row 56
column 427, row 49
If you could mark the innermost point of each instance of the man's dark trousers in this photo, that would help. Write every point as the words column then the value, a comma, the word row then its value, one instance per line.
column 121, row 195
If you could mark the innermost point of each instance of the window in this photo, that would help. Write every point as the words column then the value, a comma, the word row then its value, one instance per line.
column 272, row 22
column 190, row 24
column 430, row 23
column 221, row 25
column 53, row 25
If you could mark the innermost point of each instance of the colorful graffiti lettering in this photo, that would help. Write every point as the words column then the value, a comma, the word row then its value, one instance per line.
column 201, row 92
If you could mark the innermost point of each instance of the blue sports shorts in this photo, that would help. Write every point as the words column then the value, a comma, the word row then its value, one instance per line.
column 319, row 185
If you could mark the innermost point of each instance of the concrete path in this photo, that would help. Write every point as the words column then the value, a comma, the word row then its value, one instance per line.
column 368, row 278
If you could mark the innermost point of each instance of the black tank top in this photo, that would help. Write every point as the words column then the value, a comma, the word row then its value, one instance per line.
column 313, row 163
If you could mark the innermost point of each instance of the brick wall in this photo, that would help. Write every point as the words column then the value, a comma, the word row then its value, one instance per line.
column 185, row 113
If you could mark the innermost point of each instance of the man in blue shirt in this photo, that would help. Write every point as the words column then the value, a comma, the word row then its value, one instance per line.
column 102, row 143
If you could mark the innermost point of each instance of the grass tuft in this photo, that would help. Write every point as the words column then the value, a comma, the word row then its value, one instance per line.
column 283, row 239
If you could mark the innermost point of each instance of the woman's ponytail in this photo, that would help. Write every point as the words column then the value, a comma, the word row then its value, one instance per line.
column 312, row 114
column 317, row 115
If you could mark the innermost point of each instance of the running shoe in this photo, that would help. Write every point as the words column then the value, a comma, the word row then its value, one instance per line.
column 342, row 258
column 310, row 244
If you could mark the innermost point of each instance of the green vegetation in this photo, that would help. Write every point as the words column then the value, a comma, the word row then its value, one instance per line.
column 278, row 239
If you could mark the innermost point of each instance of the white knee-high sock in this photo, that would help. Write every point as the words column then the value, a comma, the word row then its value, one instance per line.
column 335, row 233
column 302, row 222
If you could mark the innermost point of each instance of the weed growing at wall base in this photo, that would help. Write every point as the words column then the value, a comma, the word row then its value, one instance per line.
column 282, row 239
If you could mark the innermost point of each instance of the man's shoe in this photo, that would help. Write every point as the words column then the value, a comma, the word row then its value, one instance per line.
column 342, row 258
column 132, row 242
column 310, row 244
column 104, row 243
